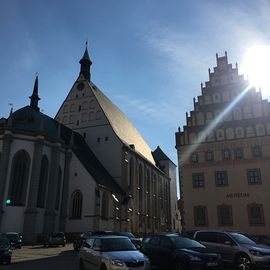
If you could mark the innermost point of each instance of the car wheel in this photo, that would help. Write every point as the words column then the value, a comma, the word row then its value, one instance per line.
column 243, row 262
column 81, row 265
column 180, row 266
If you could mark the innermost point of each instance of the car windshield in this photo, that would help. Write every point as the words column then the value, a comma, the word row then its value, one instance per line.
column 242, row 239
column 128, row 234
column 117, row 244
column 12, row 236
column 4, row 242
column 185, row 242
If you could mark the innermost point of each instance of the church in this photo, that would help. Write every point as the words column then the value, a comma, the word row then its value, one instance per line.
column 86, row 169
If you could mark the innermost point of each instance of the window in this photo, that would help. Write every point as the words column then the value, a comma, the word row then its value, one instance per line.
column 209, row 156
column 165, row 242
column 76, row 205
column 19, row 178
column 255, row 214
column 207, row 237
column 194, row 157
column 226, row 154
column 224, row 213
column 105, row 206
column 256, row 151
column 254, row 176
column 221, row 178
column 58, row 188
column 154, row 240
column 200, row 216
column 238, row 153
column 42, row 185
column 198, row 180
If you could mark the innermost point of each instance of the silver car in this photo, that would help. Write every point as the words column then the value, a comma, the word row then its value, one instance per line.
column 109, row 252
column 235, row 248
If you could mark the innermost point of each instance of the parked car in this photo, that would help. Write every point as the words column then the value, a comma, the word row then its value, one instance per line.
column 55, row 239
column 179, row 252
column 15, row 239
column 136, row 241
column 78, row 241
column 235, row 248
column 109, row 252
column 5, row 251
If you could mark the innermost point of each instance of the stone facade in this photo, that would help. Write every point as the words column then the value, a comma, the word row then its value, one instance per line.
column 224, row 156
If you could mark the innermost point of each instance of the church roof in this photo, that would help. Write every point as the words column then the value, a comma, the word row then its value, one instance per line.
column 121, row 125
column 27, row 119
column 159, row 155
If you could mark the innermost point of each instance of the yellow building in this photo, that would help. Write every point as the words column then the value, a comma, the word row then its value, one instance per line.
column 224, row 156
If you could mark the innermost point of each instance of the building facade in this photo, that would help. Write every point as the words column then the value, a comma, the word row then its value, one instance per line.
column 224, row 156
column 87, row 169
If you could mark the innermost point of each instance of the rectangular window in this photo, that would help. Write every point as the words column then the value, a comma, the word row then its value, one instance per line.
column 225, row 215
column 209, row 156
column 254, row 176
column 194, row 157
column 198, row 180
column 256, row 151
column 226, row 154
column 221, row 178
column 200, row 216
column 238, row 153
column 255, row 214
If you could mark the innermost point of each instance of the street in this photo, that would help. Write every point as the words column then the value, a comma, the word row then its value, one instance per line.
column 39, row 258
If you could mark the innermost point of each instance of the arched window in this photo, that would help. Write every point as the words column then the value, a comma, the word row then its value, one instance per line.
column 58, row 188
column 76, row 205
column 43, row 178
column 19, row 178
column 105, row 205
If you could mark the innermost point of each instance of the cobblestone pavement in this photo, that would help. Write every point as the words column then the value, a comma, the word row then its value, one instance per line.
column 35, row 252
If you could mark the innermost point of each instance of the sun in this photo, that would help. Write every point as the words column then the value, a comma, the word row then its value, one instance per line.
column 257, row 66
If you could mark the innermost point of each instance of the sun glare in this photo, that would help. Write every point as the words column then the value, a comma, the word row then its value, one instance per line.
column 257, row 67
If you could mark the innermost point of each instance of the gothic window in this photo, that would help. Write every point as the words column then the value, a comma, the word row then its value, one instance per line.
column 237, row 114
column 239, row 132
column 260, row 130
column 254, row 176
column 76, row 205
column 105, row 205
column 256, row 151
column 238, row 153
column 226, row 153
column 225, row 217
column 221, row 178
column 255, row 214
column 131, row 173
column 58, row 188
column 220, row 134
column 42, row 185
column 98, row 115
column 200, row 216
column 19, row 178
column 198, row 180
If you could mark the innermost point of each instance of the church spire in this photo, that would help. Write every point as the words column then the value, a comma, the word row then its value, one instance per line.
column 35, row 98
column 85, row 64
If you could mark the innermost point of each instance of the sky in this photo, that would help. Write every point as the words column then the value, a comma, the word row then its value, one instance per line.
column 149, row 56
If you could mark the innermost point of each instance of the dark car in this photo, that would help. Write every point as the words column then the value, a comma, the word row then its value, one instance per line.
column 5, row 251
column 55, row 239
column 235, row 248
column 179, row 252
column 15, row 239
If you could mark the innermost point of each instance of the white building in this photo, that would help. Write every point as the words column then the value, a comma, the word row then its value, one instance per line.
column 87, row 169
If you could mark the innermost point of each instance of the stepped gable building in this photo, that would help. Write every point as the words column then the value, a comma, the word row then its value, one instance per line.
column 87, row 169
column 224, row 156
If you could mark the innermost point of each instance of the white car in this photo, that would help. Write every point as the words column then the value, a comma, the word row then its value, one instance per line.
column 110, row 252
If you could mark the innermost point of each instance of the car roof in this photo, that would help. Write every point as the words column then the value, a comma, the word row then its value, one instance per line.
column 109, row 236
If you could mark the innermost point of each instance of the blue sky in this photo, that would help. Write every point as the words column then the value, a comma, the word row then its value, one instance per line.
column 149, row 56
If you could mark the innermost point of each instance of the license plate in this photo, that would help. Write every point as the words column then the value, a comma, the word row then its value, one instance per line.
column 212, row 264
